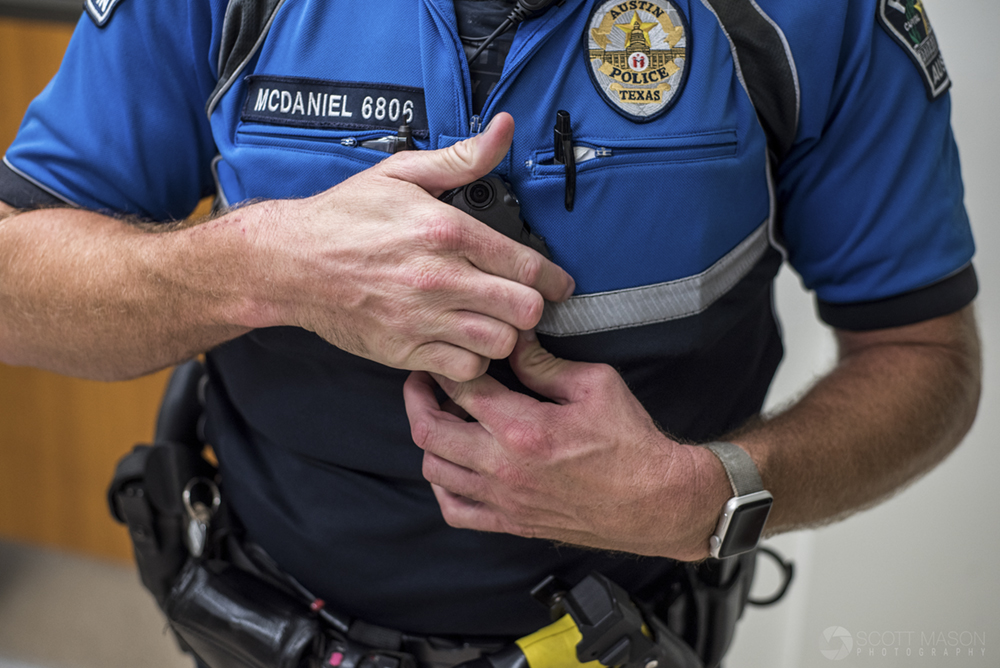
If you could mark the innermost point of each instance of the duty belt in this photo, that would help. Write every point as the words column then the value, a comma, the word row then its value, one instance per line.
column 232, row 606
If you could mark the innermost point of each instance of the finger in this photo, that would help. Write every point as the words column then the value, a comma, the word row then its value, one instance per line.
column 465, row 513
column 422, row 405
column 487, row 400
column 456, row 165
column 491, row 252
column 507, row 258
column 497, row 254
column 454, row 478
column 448, row 360
column 558, row 379
column 482, row 335
column 438, row 432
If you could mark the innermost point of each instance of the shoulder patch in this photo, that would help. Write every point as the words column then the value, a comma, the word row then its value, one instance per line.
column 906, row 22
column 637, row 52
column 100, row 10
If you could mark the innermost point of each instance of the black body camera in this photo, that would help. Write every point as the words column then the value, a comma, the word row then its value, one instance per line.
column 490, row 201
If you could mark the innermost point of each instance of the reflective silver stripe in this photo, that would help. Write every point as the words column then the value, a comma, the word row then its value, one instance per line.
column 634, row 307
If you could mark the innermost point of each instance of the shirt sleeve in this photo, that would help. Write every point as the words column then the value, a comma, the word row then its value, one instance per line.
column 871, row 194
column 122, row 128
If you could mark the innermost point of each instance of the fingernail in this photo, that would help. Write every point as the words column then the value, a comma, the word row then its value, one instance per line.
column 570, row 290
column 529, row 335
column 488, row 125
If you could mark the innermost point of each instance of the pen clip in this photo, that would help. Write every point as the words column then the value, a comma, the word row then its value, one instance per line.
column 564, row 154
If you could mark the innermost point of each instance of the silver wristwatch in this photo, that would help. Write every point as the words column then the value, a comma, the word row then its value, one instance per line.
column 742, row 520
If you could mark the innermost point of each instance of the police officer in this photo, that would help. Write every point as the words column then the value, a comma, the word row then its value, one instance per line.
column 431, row 501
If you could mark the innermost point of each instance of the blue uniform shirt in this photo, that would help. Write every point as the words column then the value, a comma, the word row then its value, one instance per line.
column 682, row 218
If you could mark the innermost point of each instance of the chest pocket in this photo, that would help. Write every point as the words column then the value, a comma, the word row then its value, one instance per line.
column 594, row 154
column 296, row 109
column 647, row 209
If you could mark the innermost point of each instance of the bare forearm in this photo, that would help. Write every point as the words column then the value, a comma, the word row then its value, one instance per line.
column 898, row 402
column 88, row 295
column 376, row 265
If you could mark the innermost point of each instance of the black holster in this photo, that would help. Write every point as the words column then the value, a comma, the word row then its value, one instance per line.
column 226, row 616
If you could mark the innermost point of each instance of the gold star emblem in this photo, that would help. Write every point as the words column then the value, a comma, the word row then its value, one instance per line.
column 630, row 27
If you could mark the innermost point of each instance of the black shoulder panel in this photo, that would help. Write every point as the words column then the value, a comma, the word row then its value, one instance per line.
column 21, row 193
column 243, row 31
column 767, row 66
column 933, row 301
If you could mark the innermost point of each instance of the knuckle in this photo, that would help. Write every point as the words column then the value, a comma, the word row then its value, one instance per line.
column 420, row 431
column 434, row 277
column 400, row 161
column 459, row 365
column 528, row 268
column 429, row 468
column 474, row 367
column 440, row 232
column 427, row 278
column 596, row 376
column 496, row 340
column 534, row 305
column 528, row 437
column 504, row 343
column 398, row 354
column 515, row 479
column 458, row 156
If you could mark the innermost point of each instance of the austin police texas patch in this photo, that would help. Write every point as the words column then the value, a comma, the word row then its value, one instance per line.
column 100, row 10
column 637, row 50
column 906, row 22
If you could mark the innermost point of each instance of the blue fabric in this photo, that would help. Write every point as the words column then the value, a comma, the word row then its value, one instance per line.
column 871, row 195
column 121, row 127
column 314, row 444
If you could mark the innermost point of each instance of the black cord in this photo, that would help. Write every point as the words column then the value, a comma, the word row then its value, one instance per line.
column 521, row 11
column 789, row 570
column 504, row 27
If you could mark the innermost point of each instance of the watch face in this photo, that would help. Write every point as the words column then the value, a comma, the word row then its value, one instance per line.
column 745, row 527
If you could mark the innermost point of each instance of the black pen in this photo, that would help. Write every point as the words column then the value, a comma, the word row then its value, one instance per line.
column 564, row 154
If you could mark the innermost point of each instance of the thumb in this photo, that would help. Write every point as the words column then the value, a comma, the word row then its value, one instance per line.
column 543, row 372
column 458, row 164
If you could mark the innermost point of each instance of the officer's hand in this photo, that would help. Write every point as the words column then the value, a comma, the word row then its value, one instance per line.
column 381, row 268
column 590, row 469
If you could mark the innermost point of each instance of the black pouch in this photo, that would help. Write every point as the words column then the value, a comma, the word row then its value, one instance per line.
column 145, row 495
column 719, row 605
column 232, row 619
column 146, row 491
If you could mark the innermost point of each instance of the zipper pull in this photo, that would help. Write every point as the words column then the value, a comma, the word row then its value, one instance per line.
column 401, row 141
column 475, row 125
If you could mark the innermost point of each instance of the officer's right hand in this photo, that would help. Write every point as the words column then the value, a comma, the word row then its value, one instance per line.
column 381, row 268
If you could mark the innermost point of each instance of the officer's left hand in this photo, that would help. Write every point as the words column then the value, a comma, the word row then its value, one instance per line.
column 590, row 469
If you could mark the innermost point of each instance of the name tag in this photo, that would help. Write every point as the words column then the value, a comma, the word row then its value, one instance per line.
column 315, row 103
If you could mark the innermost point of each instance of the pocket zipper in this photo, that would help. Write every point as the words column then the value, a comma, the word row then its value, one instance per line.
column 588, row 152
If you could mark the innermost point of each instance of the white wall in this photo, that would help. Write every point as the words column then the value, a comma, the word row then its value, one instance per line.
column 927, row 562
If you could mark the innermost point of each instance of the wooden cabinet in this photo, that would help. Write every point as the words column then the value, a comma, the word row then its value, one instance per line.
column 59, row 437
column 30, row 53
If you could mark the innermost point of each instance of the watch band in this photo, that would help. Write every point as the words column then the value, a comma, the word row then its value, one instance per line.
column 740, row 469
